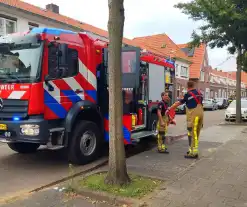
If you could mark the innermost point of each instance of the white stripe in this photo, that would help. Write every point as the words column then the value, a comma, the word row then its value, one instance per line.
column 56, row 93
column 87, row 74
column 74, row 85
column 83, row 69
column 16, row 94
column 92, row 79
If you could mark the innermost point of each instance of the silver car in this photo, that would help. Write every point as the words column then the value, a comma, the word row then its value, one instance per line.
column 210, row 104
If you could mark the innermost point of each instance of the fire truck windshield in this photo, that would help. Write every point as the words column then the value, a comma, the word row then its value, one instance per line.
column 20, row 62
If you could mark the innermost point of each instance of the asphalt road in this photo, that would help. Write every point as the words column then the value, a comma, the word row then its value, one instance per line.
column 22, row 173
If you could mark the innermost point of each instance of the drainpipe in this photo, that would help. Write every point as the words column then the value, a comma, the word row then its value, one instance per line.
column 227, row 86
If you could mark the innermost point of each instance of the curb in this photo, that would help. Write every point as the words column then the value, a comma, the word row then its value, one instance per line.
column 108, row 197
column 232, row 124
column 93, row 166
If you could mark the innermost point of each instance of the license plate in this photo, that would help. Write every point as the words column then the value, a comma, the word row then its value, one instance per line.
column 3, row 127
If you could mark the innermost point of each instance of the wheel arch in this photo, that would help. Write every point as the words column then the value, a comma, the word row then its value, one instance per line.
column 83, row 110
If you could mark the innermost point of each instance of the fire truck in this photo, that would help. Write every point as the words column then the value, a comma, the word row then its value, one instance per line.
column 54, row 92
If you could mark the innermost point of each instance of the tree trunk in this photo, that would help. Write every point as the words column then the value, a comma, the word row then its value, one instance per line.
column 238, row 87
column 117, row 173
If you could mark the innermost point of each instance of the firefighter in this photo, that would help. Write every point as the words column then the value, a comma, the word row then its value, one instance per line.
column 194, row 114
column 162, row 123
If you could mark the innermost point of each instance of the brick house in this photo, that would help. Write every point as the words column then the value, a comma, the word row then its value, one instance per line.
column 164, row 45
column 199, row 69
column 223, row 84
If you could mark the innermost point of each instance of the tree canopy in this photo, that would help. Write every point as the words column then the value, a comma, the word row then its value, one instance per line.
column 225, row 24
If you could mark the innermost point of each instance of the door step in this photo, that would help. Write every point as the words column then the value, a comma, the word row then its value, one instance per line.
column 61, row 129
column 56, row 138
column 139, row 135
column 54, row 147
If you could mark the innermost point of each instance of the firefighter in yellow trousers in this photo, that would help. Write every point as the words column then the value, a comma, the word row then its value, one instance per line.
column 162, row 124
column 194, row 114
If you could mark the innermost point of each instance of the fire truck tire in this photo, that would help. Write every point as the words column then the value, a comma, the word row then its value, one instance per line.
column 85, row 143
column 24, row 148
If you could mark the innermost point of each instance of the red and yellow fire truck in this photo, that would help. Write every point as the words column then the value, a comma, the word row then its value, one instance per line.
column 54, row 92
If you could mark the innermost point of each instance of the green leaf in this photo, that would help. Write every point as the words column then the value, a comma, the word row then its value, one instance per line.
column 225, row 24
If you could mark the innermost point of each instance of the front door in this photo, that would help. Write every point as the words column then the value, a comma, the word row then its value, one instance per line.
column 62, row 90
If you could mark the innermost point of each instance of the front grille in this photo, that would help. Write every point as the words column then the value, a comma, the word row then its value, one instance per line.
column 14, row 108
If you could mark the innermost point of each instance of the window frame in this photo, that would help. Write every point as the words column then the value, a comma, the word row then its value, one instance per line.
column 4, row 19
column 202, row 75
column 184, row 75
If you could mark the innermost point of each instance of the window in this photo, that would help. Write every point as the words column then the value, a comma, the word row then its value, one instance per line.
column 68, row 63
column 32, row 25
column 7, row 26
column 184, row 72
column 128, row 62
column 202, row 75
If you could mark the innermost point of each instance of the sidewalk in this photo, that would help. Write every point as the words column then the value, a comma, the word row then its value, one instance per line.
column 163, row 166
column 54, row 198
column 218, row 176
column 215, row 181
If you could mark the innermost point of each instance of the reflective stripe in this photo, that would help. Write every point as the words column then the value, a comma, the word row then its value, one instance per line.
column 195, row 138
column 16, row 94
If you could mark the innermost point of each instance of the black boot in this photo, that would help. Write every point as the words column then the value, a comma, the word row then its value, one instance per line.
column 163, row 149
column 191, row 156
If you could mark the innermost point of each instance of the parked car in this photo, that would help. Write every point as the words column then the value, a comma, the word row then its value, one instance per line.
column 230, row 113
column 181, row 109
column 210, row 104
column 221, row 103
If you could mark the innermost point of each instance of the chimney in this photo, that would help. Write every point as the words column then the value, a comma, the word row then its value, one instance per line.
column 53, row 8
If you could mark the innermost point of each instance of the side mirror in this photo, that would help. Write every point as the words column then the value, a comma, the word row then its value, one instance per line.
column 47, row 78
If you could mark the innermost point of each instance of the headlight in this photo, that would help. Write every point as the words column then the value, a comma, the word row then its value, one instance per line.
column 29, row 130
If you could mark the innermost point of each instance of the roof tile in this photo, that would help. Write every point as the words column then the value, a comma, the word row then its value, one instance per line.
column 161, row 43
column 197, row 59
column 58, row 17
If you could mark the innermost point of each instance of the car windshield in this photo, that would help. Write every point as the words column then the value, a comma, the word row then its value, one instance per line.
column 243, row 104
column 20, row 61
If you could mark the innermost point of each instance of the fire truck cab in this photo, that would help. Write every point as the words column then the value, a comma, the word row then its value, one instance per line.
column 54, row 92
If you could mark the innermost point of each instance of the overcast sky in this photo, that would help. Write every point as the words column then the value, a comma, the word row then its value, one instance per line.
column 142, row 18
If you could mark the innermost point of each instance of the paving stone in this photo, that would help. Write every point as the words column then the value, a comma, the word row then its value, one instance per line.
column 217, row 181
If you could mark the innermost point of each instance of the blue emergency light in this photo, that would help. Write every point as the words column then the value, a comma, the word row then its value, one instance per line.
column 15, row 118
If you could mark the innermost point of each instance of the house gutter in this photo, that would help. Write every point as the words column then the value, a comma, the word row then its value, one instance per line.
column 182, row 59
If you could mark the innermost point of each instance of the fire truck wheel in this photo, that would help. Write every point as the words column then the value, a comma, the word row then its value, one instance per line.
column 24, row 148
column 84, row 146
